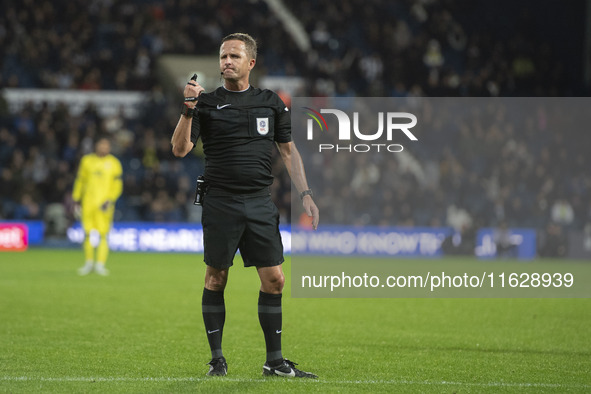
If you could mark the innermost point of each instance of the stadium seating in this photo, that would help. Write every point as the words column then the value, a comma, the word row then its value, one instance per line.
column 357, row 48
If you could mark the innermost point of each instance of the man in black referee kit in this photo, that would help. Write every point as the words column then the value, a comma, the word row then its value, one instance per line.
column 239, row 125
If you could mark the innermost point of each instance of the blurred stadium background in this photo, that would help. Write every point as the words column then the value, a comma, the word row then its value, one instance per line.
column 73, row 69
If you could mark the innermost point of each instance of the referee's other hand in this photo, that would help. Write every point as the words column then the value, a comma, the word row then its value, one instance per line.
column 192, row 89
column 311, row 210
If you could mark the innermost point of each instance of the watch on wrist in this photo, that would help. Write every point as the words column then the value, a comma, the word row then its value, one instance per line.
column 306, row 193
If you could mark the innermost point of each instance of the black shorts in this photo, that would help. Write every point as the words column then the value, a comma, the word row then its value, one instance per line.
column 249, row 222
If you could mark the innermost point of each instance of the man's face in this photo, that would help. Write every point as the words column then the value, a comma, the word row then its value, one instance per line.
column 235, row 64
column 103, row 147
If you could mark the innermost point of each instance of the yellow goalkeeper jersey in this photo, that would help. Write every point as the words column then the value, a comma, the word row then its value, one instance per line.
column 98, row 181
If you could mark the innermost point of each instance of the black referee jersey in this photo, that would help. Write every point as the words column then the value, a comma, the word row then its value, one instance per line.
column 238, row 130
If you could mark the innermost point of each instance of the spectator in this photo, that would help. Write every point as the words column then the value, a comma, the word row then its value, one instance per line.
column 562, row 212
column 505, row 245
column 553, row 242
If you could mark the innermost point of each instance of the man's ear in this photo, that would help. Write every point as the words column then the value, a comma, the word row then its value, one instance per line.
column 251, row 64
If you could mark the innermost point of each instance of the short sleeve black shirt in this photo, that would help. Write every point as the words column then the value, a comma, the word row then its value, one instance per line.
column 238, row 130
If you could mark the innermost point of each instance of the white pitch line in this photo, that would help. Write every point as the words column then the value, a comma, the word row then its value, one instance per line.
column 312, row 381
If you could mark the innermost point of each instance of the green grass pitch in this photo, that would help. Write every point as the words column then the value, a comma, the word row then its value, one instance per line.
column 140, row 331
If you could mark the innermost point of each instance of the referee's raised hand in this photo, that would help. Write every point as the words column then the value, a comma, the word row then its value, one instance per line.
column 192, row 91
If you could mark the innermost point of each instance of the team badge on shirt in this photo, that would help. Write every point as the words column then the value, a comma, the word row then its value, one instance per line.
column 263, row 125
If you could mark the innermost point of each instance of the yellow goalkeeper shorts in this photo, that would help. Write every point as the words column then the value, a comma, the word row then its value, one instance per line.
column 97, row 219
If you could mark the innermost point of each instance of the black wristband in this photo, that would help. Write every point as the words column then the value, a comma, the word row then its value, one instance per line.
column 186, row 111
column 306, row 193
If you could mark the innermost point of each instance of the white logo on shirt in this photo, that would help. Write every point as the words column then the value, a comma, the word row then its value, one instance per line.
column 263, row 125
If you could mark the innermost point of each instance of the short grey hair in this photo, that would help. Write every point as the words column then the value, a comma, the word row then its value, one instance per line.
column 249, row 42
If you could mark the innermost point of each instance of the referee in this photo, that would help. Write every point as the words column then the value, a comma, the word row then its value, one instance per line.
column 239, row 125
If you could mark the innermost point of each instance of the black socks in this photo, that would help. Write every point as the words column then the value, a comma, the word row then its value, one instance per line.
column 270, row 317
column 214, row 316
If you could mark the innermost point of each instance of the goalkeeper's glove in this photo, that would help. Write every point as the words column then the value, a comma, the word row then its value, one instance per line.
column 105, row 206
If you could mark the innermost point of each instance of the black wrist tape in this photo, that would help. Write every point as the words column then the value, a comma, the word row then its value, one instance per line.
column 186, row 111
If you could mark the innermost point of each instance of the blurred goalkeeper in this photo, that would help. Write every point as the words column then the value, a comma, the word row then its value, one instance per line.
column 240, row 126
column 97, row 187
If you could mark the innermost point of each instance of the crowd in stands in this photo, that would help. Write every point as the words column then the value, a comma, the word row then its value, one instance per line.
column 358, row 48
column 477, row 163
column 40, row 151
column 109, row 44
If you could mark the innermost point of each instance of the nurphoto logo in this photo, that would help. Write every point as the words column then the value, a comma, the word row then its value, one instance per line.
column 392, row 126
